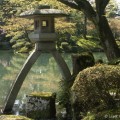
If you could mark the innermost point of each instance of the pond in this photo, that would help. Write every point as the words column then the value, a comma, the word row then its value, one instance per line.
column 43, row 76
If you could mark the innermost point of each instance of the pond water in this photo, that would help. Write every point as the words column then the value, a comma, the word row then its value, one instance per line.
column 43, row 76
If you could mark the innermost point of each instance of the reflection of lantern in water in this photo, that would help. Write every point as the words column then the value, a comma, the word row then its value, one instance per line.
column 44, row 37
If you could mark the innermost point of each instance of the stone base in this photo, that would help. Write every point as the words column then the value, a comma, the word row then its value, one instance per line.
column 41, row 105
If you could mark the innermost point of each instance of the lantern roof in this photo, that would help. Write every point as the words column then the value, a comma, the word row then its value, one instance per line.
column 43, row 10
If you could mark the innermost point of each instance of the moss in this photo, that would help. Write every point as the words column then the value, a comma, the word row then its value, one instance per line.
column 89, row 117
column 84, row 60
column 42, row 94
column 43, row 105
column 112, row 114
column 23, row 50
column 96, row 88
column 76, row 44
column 13, row 117
column 88, row 45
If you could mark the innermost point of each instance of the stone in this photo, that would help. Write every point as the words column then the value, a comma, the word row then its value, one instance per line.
column 41, row 105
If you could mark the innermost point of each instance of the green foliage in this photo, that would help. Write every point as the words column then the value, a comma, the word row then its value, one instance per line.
column 64, row 95
column 91, row 30
column 18, row 28
column 76, row 44
column 23, row 50
column 89, row 44
column 11, row 117
column 104, row 115
column 15, row 26
column 66, row 28
column 79, row 19
column 115, row 62
column 96, row 88
column 115, row 26
column 6, row 10
column 112, row 9
column 20, row 43
column 84, row 60
column 118, row 43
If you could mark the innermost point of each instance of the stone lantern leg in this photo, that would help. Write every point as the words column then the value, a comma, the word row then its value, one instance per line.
column 44, row 37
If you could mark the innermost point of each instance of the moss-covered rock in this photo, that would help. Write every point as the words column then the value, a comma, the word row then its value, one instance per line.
column 82, row 61
column 13, row 117
column 41, row 105
column 96, row 88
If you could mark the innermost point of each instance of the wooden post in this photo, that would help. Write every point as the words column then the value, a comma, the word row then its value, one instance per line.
column 41, row 105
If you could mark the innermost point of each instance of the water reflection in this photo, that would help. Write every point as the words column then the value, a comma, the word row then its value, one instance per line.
column 100, row 55
column 43, row 76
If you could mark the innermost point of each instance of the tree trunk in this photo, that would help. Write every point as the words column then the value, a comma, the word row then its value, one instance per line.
column 106, row 36
column 85, row 27
column 99, row 20
column 107, row 39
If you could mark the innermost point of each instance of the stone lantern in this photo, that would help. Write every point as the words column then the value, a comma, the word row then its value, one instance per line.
column 44, row 26
column 44, row 37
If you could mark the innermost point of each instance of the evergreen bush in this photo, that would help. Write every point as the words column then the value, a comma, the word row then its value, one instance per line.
column 104, row 115
column 96, row 88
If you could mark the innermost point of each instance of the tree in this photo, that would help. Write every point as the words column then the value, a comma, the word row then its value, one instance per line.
column 98, row 17
column 112, row 9
column 18, row 28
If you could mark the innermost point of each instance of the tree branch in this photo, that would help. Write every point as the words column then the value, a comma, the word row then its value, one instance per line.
column 82, row 5
column 101, row 5
column 105, row 3
column 70, row 3
column 86, row 7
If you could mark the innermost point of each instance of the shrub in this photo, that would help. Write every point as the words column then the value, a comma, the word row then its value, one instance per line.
column 64, row 95
column 23, row 50
column 115, row 62
column 104, row 115
column 96, row 88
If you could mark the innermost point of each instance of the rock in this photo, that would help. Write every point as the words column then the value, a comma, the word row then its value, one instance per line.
column 41, row 105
